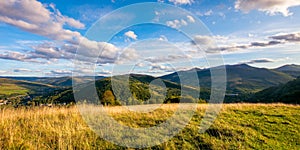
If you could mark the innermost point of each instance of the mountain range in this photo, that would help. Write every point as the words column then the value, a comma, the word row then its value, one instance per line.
column 244, row 83
column 240, row 78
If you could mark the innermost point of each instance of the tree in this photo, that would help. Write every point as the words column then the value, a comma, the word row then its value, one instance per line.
column 108, row 98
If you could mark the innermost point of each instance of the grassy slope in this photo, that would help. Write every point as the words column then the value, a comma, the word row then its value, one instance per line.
column 293, row 70
column 285, row 93
column 239, row 126
column 10, row 87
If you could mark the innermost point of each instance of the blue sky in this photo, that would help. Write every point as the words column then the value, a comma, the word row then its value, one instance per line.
column 41, row 38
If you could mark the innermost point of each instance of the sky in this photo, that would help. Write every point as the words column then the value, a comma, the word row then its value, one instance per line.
column 57, row 38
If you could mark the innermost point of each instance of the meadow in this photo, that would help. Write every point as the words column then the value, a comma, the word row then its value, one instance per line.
column 12, row 89
column 238, row 126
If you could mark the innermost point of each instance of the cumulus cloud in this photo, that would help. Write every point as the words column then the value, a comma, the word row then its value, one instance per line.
column 211, row 43
column 17, row 56
column 203, row 40
column 47, row 21
column 176, row 23
column 245, row 46
column 163, row 38
column 34, row 17
column 126, row 56
column 66, row 20
column 208, row 13
column 291, row 37
column 89, row 51
column 155, row 68
column 93, row 49
column 59, row 73
column 191, row 19
column 181, row 2
column 47, row 51
column 131, row 35
column 271, row 7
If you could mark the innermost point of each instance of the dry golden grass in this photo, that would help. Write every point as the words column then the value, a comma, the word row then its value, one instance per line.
column 239, row 126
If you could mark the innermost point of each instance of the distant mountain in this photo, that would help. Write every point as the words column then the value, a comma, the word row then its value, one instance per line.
column 242, row 82
column 285, row 93
column 55, row 81
column 293, row 70
column 241, row 78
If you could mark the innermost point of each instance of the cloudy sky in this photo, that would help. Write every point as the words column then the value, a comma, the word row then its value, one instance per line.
column 46, row 37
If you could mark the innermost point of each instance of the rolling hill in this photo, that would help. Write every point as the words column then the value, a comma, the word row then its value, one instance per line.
column 54, row 81
column 242, row 82
column 240, row 78
column 293, row 70
column 285, row 93
column 143, row 89
column 12, row 88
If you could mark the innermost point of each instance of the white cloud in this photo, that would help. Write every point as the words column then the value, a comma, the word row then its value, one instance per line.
column 66, row 20
column 182, row 2
column 104, row 72
column 163, row 38
column 92, row 49
column 3, row 71
column 191, row 19
column 88, row 51
column 47, row 21
column 34, row 17
column 290, row 37
column 11, row 55
column 208, row 13
column 204, row 40
column 155, row 68
column 214, row 44
column 176, row 23
column 183, row 22
column 131, row 34
column 140, row 64
column 127, row 56
column 59, row 73
column 271, row 7
column 47, row 51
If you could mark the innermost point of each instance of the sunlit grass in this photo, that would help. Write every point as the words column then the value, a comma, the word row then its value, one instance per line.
column 11, row 89
column 239, row 126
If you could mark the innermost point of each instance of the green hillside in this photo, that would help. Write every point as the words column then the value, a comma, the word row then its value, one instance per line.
column 10, row 87
column 141, row 90
column 286, row 93
column 293, row 70
column 242, row 82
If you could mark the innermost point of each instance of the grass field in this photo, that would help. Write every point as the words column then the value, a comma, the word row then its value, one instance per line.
column 12, row 89
column 239, row 126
